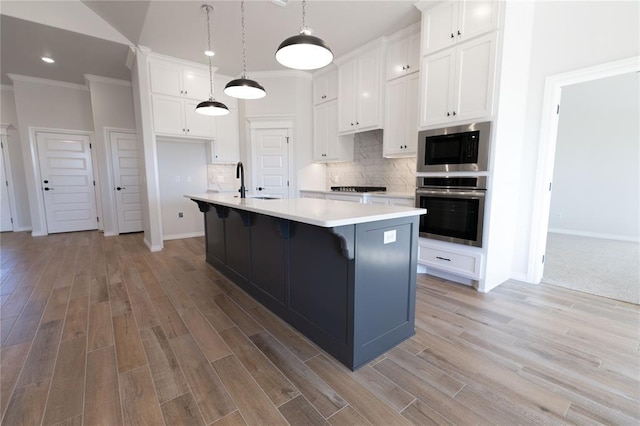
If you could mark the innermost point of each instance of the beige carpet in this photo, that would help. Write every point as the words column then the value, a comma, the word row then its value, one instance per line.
column 606, row 268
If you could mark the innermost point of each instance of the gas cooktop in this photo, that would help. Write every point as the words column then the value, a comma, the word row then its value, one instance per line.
column 358, row 188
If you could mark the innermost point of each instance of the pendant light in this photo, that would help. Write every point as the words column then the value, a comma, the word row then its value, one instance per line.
column 304, row 51
column 210, row 106
column 244, row 88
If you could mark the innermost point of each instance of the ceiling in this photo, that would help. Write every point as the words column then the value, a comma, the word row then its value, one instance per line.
column 178, row 29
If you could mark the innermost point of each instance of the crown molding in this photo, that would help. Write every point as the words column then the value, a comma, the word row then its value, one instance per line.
column 36, row 80
column 152, row 55
column 6, row 87
column 106, row 80
column 410, row 30
column 280, row 73
column 131, row 57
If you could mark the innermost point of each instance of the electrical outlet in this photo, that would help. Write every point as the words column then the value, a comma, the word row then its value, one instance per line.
column 180, row 214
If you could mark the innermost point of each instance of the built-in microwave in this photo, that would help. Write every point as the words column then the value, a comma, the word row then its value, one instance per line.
column 454, row 149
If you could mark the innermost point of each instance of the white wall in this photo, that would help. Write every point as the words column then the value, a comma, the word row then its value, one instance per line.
column 566, row 36
column 112, row 106
column 9, row 116
column 45, row 104
column 596, row 176
column 289, row 93
column 182, row 169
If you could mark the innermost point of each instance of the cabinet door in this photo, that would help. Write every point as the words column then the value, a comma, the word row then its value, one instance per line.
column 397, row 58
column 437, row 88
column 368, row 96
column 197, row 124
column 332, row 85
column 320, row 119
column 476, row 18
column 333, row 148
column 347, row 90
column 227, row 141
column 320, row 89
column 475, row 74
column 411, row 119
column 413, row 53
column 437, row 27
column 168, row 115
column 394, row 134
column 195, row 83
column 165, row 78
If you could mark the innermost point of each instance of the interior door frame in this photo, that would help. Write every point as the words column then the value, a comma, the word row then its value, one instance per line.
column 547, row 151
column 35, row 162
column 110, row 200
column 4, row 131
column 256, row 123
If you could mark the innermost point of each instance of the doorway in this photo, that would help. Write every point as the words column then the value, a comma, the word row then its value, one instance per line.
column 126, row 179
column 6, row 206
column 67, row 181
column 270, row 148
column 547, row 156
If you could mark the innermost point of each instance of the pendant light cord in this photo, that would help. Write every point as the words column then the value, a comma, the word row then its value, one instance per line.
column 208, row 9
column 304, row 28
column 244, row 49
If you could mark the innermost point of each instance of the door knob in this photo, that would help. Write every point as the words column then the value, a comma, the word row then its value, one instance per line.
column 259, row 188
column 45, row 181
column 119, row 188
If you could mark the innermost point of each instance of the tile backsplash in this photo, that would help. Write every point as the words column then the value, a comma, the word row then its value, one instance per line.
column 221, row 177
column 371, row 169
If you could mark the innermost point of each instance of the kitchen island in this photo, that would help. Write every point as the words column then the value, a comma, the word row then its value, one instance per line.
column 343, row 274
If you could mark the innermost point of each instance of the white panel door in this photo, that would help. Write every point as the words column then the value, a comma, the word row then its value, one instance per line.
column 126, row 178
column 437, row 88
column 6, row 223
column 67, row 182
column 271, row 162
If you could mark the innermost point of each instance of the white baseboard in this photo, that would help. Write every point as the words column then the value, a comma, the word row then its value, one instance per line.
column 38, row 234
column 594, row 235
column 152, row 248
column 110, row 234
column 450, row 277
column 181, row 236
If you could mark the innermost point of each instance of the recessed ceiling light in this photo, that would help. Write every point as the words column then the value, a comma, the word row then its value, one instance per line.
column 209, row 52
column 47, row 60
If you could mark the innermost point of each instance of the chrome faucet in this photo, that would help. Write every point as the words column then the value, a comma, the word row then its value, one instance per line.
column 240, row 175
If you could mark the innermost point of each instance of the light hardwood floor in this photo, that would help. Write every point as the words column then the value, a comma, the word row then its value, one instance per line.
column 101, row 331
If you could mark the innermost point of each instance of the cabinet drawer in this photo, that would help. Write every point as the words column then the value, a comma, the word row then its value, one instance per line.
column 467, row 265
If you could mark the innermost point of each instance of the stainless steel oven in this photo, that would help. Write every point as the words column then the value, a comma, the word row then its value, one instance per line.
column 455, row 208
column 454, row 149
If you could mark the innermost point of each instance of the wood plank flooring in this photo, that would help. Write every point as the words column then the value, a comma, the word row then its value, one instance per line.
column 99, row 330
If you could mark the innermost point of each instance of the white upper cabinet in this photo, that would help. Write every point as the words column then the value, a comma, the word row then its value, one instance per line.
column 403, row 57
column 401, row 117
column 458, row 83
column 457, row 21
column 327, row 145
column 325, row 86
column 226, row 146
column 175, row 79
column 175, row 116
column 361, row 91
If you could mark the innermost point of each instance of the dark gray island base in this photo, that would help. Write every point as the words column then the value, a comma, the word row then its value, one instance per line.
column 350, row 289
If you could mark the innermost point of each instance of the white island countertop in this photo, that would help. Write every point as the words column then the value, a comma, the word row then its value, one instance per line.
column 318, row 212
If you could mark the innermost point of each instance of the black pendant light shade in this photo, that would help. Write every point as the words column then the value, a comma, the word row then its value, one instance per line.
column 244, row 88
column 212, row 108
column 304, row 51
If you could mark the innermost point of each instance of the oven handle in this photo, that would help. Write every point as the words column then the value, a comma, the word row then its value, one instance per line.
column 453, row 193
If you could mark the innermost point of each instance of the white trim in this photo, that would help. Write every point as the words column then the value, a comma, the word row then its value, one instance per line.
column 36, row 80
column 281, row 73
column 181, row 236
column 6, row 87
column 131, row 57
column 150, row 247
column 379, row 42
column 35, row 163
column 110, row 234
column 271, row 121
column 106, row 80
column 157, row 56
column 547, row 148
column 594, row 235
column 410, row 30
column 10, row 177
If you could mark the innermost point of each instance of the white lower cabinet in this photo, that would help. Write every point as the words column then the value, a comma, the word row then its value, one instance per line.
column 463, row 261
column 312, row 194
column 345, row 197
